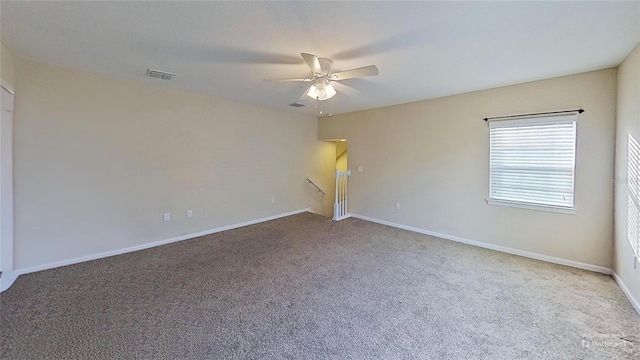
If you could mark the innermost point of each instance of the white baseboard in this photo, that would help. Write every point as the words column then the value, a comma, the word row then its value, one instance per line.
column 627, row 292
column 342, row 217
column 551, row 259
column 7, row 279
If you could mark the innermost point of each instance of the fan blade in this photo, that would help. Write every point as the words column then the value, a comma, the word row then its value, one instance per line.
column 356, row 73
column 347, row 90
column 299, row 80
column 313, row 63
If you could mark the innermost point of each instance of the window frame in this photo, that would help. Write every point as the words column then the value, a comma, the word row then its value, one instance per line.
column 542, row 119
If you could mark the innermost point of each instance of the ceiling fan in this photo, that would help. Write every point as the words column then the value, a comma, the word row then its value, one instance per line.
column 324, row 80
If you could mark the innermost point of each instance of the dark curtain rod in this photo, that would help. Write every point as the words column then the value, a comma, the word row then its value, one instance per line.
column 580, row 111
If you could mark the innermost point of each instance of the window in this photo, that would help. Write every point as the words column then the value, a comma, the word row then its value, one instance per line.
column 532, row 162
column 633, row 198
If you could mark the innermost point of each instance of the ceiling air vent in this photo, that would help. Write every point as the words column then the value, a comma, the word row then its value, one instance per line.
column 160, row 74
column 295, row 104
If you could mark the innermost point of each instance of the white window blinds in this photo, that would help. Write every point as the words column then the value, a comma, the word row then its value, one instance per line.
column 633, row 198
column 532, row 160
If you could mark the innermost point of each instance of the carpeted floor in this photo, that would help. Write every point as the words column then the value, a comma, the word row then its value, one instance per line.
column 305, row 287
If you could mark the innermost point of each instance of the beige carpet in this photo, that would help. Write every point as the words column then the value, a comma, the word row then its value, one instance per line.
column 305, row 287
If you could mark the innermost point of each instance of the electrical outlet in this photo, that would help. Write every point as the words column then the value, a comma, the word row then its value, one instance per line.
column 166, row 216
column 273, row 200
column 397, row 206
column 360, row 168
column 189, row 213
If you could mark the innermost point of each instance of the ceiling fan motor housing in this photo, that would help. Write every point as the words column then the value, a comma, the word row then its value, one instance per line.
column 325, row 65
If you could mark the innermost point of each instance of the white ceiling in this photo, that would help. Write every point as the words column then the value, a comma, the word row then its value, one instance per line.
column 423, row 49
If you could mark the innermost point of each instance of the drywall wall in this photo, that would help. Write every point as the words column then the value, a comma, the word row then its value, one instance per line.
column 432, row 157
column 628, row 124
column 98, row 161
column 341, row 162
column 7, row 77
column 341, row 156
column 7, row 67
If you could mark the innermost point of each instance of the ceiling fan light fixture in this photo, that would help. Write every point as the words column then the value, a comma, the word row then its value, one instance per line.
column 321, row 91
column 312, row 92
column 331, row 92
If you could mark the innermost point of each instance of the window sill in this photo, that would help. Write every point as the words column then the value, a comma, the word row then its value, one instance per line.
column 555, row 209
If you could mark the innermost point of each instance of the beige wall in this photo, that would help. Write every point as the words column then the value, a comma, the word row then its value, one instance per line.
column 341, row 156
column 7, row 76
column 7, row 67
column 433, row 158
column 341, row 162
column 98, row 161
column 628, row 123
